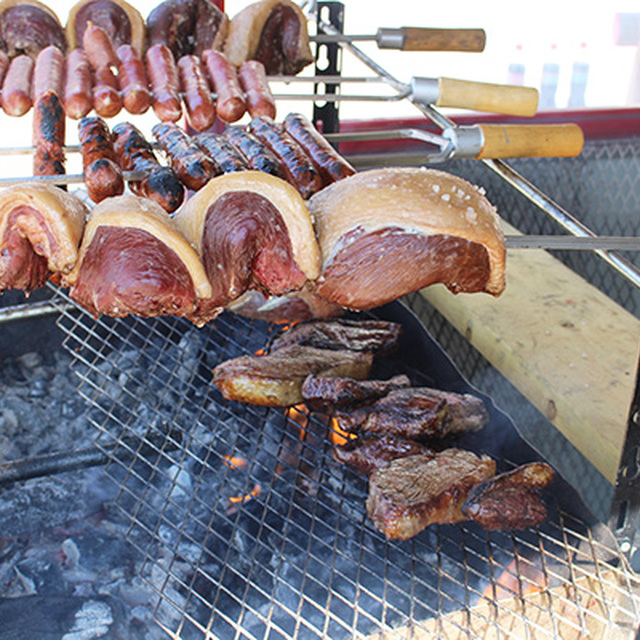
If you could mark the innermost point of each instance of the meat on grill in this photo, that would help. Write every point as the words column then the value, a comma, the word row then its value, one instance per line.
column 420, row 413
column 369, row 454
column 276, row 379
column 377, row 336
column 253, row 231
column 511, row 500
column 133, row 260
column 273, row 32
column 40, row 230
column 412, row 493
column 387, row 232
column 327, row 394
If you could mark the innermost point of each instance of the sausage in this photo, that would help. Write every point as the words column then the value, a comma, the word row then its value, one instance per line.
column 223, row 77
column 106, row 97
column 258, row 96
column 16, row 87
column 4, row 65
column 134, row 84
column 98, row 46
column 165, row 83
column 48, row 72
column 258, row 155
column 225, row 156
column 77, row 97
column 331, row 165
column 188, row 160
column 298, row 168
column 48, row 135
column 161, row 184
column 196, row 93
column 102, row 173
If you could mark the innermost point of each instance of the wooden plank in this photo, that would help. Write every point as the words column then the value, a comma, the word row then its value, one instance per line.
column 569, row 348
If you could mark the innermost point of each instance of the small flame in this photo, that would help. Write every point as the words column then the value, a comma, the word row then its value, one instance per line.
column 300, row 415
column 254, row 493
column 519, row 579
column 338, row 435
column 237, row 462
column 261, row 352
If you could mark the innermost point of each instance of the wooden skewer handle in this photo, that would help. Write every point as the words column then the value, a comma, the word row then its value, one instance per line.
column 481, row 96
column 426, row 39
column 531, row 140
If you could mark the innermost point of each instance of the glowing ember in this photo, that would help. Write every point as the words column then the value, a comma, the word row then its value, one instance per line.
column 300, row 415
column 254, row 493
column 338, row 435
column 519, row 579
column 238, row 462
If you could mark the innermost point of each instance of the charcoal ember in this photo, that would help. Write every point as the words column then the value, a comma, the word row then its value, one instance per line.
column 419, row 413
column 367, row 454
column 326, row 393
column 376, row 336
column 511, row 500
column 411, row 493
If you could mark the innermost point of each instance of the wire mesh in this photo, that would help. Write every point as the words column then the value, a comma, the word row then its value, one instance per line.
column 250, row 529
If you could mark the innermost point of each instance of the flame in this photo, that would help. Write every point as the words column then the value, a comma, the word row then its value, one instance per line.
column 300, row 415
column 338, row 435
column 520, row 579
column 237, row 462
column 260, row 352
column 254, row 493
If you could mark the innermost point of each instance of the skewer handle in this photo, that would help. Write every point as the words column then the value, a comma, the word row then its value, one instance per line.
column 428, row 39
column 530, row 140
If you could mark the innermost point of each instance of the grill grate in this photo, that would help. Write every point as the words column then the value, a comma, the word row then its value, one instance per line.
column 250, row 529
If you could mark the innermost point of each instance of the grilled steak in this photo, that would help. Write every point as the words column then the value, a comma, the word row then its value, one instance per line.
column 376, row 336
column 411, row 493
column 324, row 393
column 511, row 500
column 366, row 455
column 275, row 380
column 419, row 413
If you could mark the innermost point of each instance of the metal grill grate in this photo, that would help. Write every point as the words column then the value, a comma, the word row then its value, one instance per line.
column 250, row 529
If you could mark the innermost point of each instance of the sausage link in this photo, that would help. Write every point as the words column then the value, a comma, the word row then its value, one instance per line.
column 99, row 47
column 78, row 100
column 258, row 155
column 331, row 165
column 48, row 135
column 196, row 93
column 165, row 83
column 48, row 72
column 161, row 184
column 16, row 88
column 253, row 79
column 106, row 97
column 223, row 77
column 134, row 84
column 298, row 168
column 102, row 173
column 192, row 165
column 225, row 156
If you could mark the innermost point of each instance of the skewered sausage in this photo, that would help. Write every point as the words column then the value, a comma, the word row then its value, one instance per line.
column 259, row 156
column 258, row 96
column 134, row 84
column 225, row 156
column 48, row 135
column 16, row 88
column 230, row 102
column 106, row 97
column 165, row 83
column 298, row 168
column 196, row 93
column 102, row 174
column 99, row 47
column 48, row 72
column 78, row 100
column 188, row 160
column 161, row 184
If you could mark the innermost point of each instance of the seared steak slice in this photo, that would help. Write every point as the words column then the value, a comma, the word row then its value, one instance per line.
column 411, row 493
column 511, row 500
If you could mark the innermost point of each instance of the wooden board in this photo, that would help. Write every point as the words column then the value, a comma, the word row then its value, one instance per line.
column 564, row 344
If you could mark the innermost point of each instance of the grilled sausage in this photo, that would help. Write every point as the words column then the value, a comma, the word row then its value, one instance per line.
column 188, row 160
column 331, row 165
column 225, row 156
column 48, row 72
column 106, row 95
column 230, row 102
column 258, row 96
column 165, row 83
column 16, row 88
column 298, row 168
column 102, row 173
column 258, row 155
column 78, row 100
column 48, row 135
column 196, row 93
column 134, row 84
column 161, row 184
column 98, row 46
